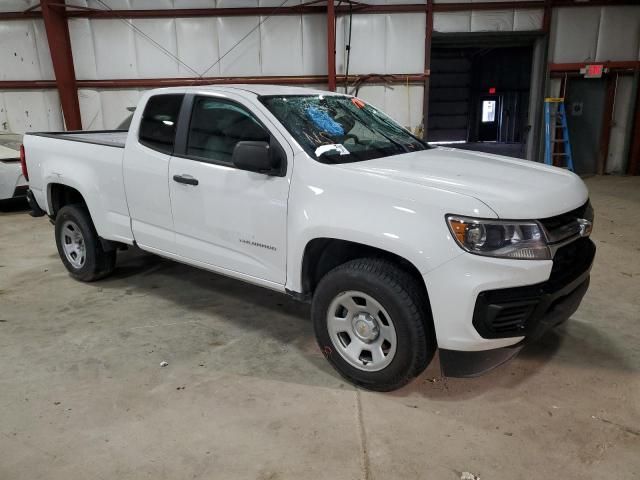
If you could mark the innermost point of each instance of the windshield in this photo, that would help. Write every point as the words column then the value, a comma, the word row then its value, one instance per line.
column 341, row 129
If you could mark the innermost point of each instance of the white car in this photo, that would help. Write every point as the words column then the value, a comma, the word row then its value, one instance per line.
column 12, row 181
column 402, row 248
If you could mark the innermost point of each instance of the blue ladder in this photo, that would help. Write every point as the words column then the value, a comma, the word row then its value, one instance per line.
column 560, row 120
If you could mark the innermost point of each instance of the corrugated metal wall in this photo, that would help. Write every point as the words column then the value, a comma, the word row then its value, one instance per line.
column 283, row 45
column 595, row 34
column 30, row 110
column 24, row 55
column 488, row 21
column 601, row 34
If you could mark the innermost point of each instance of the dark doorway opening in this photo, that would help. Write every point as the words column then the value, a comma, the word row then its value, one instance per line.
column 479, row 93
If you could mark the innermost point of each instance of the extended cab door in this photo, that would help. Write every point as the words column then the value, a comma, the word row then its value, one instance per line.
column 230, row 219
column 148, row 150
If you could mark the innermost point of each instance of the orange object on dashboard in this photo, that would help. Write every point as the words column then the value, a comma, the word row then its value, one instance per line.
column 357, row 102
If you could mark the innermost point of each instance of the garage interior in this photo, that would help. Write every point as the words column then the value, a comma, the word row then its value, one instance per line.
column 246, row 392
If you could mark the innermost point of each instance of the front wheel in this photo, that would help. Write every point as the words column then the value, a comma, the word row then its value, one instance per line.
column 372, row 322
column 79, row 246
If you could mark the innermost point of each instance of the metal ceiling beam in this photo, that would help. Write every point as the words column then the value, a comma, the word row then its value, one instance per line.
column 196, row 12
column 279, row 80
column 530, row 4
column 26, row 84
column 57, row 28
column 465, row 7
column 416, row 78
column 562, row 68
column 592, row 3
column 85, row 12
column 301, row 9
column 4, row 16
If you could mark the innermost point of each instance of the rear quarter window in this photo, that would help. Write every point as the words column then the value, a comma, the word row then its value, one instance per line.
column 159, row 122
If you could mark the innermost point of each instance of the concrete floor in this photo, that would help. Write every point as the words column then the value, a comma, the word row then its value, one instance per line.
column 248, row 395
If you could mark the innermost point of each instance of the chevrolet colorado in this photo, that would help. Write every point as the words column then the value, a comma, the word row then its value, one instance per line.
column 402, row 248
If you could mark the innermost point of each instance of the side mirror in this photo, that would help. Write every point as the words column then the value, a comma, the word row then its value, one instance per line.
column 255, row 157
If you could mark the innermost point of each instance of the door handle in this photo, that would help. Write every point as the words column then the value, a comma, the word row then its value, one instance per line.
column 186, row 179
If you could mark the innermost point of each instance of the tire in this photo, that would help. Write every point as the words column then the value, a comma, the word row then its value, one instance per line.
column 79, row 246
column 376, row 295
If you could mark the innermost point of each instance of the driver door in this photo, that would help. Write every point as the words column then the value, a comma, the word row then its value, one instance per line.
column 230, row 220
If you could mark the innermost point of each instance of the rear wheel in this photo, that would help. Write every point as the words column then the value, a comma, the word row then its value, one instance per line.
column 79, row 246
column 373, row 324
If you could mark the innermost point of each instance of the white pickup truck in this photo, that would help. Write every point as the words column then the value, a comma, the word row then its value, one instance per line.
column 402, row 248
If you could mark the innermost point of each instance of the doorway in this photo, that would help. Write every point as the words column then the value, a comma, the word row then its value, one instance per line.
column 488, row 122
column 480, row 92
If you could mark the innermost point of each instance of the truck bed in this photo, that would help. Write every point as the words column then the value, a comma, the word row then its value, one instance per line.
column 89, row 162
column 110, row 138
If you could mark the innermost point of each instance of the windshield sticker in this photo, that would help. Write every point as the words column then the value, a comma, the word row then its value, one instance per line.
column 357, row 102
column 322, row 149
column 323, row 121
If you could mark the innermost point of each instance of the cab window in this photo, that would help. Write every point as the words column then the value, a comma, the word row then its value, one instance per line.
column 217, row 126
column 159, row 120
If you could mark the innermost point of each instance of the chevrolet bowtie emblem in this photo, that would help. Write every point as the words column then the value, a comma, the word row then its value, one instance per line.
column 585, row 227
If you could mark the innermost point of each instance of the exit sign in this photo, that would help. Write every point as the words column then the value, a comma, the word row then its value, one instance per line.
column 593, row 71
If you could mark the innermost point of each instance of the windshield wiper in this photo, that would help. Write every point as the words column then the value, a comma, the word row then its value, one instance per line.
column 397, row 144
column 375, row 130
column 395, row 127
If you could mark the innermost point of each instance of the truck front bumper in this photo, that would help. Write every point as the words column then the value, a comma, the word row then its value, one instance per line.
column 492, row 320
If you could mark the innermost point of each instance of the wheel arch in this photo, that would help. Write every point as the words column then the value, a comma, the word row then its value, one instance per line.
column 60, row 195
column 323, row 254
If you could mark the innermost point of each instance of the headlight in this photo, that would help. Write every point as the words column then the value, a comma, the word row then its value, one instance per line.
column 497, row 238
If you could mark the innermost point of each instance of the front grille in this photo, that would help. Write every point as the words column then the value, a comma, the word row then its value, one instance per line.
column 570, row 262
column 565, row 225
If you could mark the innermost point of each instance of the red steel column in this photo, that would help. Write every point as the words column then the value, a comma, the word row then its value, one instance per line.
column 55, row 23
column 331, row 45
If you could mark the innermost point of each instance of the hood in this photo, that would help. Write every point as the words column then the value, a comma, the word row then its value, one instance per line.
column 513, row 188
